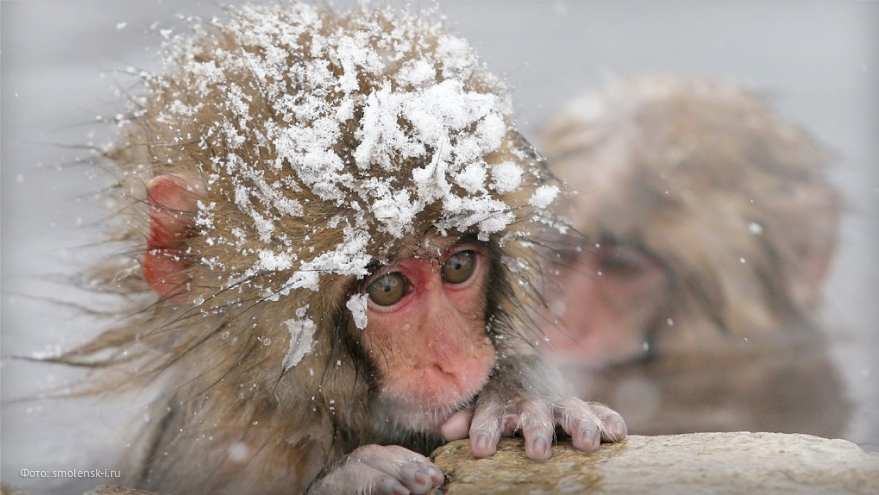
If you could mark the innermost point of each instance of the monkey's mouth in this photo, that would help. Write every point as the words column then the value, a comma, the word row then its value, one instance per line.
column 422, row 394
column 410, row 415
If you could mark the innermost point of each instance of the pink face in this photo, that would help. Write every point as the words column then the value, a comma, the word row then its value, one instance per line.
column 608, row 295
column 426, row 332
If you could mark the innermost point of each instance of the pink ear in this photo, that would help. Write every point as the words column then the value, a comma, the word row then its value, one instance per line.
column 173, row 204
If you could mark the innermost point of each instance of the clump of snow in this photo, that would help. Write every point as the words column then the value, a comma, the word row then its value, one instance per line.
column 239, row 452
column 543, row 196
column 357, row 306
column 472, row 178
column 301, row 338
column 507, row 177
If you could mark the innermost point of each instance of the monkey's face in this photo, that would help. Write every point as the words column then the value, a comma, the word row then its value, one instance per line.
column 426, row 332
column 608, row 296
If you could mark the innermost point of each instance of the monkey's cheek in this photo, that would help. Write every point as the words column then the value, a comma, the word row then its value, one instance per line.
column 572, row 344
column 595, row 345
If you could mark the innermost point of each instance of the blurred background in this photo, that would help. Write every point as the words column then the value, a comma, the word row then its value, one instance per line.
column 63, row 63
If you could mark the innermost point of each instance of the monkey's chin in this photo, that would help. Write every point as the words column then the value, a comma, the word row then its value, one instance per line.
column 391, row 414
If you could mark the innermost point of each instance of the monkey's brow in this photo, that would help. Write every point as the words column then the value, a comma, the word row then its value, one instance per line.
column 610, row 240
column 430, row 247
column 570, row 246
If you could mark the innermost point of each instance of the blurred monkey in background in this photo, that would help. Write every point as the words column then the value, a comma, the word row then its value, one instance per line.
column 709, row 228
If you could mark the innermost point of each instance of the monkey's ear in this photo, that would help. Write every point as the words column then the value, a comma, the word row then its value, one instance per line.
column 173, row 204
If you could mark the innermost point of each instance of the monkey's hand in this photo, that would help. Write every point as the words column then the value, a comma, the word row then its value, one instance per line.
column 378, row 470
column 520, row 398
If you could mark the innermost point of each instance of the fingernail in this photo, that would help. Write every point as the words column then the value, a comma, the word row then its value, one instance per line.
column 482, row 442
column 619, row 430
column 434, row 473
column 539, row 447
column 588, row 435
column 421, row 477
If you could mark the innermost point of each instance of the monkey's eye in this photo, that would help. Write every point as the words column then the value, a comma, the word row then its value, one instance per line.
column 459, row 267
column 621, row 261
column 387, row 289
column 566, row 257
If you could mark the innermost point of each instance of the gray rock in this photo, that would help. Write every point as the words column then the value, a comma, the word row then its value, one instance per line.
column 701, row 463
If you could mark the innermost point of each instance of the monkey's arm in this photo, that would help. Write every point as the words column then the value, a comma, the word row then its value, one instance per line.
column 526, row 395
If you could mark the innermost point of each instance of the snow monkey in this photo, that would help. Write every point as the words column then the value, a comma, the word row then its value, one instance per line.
column 341, row 231
column 710, row 226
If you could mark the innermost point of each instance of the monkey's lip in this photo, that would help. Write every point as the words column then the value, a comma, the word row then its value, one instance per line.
column 408, row 413
column 426, row 420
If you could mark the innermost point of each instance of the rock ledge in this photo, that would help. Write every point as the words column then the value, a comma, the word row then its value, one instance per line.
column 700, row 463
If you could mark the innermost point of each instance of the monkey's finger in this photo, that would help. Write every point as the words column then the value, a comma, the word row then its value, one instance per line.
column 457, row 426
column 588, row 423
column 579, row 421
column 538, row 427
column 615, row 428
column 485, row 427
